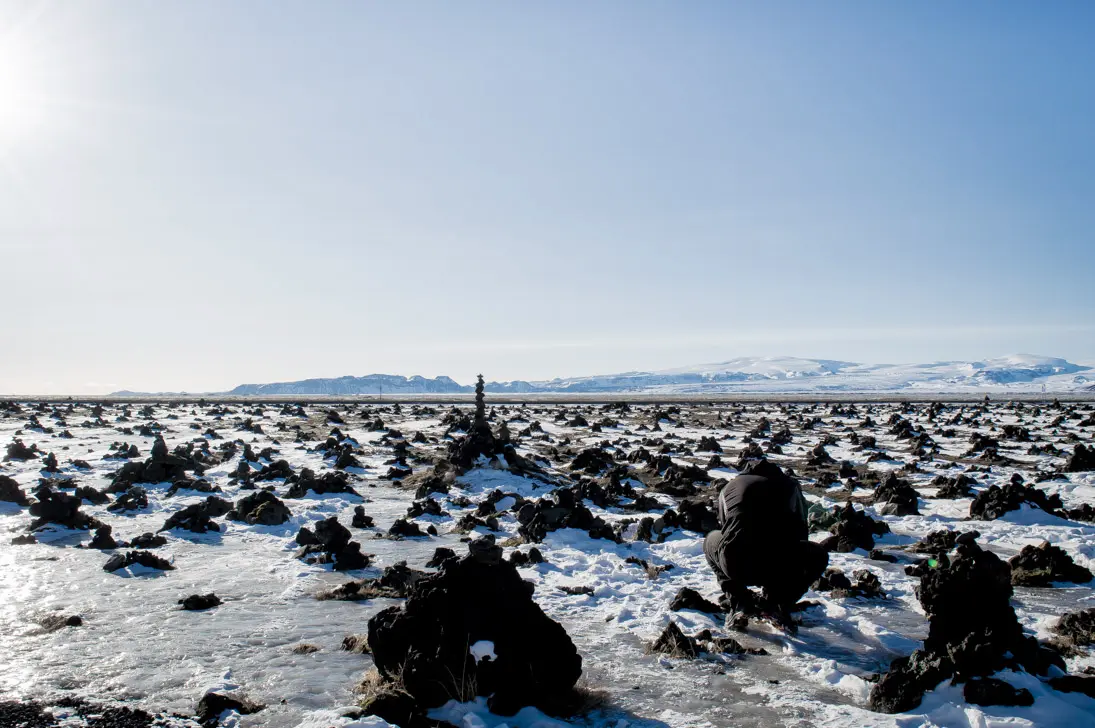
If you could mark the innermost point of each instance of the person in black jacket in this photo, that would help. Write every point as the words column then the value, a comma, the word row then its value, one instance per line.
column 762, row 541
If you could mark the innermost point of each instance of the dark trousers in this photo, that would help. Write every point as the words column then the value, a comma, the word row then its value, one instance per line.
column 785, row 572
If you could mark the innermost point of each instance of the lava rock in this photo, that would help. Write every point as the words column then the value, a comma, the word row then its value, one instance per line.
column 198, row 517
column 144, row 558
column 973, row 630
column 91, row 495
column 261, row 508
column 103, row 540
column 854, row 530
column 360, row 520
column 1082, row 459
column 10, row 492
column 994, row 502
column 1044, row 564
column 134, row 499
column 332, row 481
column 440, row 556
column 55, row 622
column 1077, row 628
column 480, row 598
column 991, row 691
column 148, row 540
column 897, row 497
column 60, row 508
column 212, row 705
column 1074, row 684
column 198, row 602
column 691, row 599
column 404, row 528
column 675, row 643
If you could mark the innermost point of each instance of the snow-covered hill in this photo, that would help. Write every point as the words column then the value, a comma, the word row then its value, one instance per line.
column 1015, row 373
column 371, row 384
column 786, row 374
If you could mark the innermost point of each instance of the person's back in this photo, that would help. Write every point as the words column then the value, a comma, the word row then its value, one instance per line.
column 762, row 539
column 763, row 510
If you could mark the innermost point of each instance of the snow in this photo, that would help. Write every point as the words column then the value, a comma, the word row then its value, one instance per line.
column 475, row 715
column 483, row 650
column 137, row 647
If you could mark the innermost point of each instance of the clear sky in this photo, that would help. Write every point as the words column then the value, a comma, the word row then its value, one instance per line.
column 198, row 194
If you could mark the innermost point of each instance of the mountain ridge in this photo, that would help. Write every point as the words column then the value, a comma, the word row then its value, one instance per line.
column 1016, row 372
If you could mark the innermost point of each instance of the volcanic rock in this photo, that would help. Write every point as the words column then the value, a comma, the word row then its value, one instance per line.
column 991, row 691
column 1077, row 629
column 198, row 602
column 519, row 656
column 897, row 496
column 675, row 643
column 360, row 520
column 262, row 508
column 55, row 622
column 332, row 481
column 957, row 487
column 197, row 517
column 855, row 529
column 60, row 508
column 1044, row 564
column 11, row 492
column 91, row 495
column 212, row 705
column 973, row 630
column 144, row 558
column 1074, row 684
column 103, row 540
column 1082, row 459
column 404, row 528
column 592, row 460
column 691, row 599
column 133, row 499
column 148, row 541
column 563, row 509
column 866, row 585
column 995, row 501
column 19, row 451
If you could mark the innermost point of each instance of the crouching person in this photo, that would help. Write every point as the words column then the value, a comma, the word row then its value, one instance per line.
column 762, row 541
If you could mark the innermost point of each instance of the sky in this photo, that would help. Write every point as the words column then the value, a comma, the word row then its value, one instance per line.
column 196, row 195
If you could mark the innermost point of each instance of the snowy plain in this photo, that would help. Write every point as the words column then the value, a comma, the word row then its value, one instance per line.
column 136, row 647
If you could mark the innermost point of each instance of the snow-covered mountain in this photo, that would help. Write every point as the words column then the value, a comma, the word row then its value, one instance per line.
column 787, row 374
column 1016, row 373
column 371, row 384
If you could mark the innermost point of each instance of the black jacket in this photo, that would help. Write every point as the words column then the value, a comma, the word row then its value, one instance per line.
column 762, row 512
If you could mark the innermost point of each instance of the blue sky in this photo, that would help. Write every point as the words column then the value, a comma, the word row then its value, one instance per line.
column 200, row 194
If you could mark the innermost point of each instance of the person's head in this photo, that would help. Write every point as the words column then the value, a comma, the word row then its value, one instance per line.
column 765, row 468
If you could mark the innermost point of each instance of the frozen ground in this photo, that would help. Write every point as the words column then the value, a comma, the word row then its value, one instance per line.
column 136, row 647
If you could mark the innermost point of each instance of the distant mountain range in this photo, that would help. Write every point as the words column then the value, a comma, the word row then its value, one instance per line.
column 1017, row 373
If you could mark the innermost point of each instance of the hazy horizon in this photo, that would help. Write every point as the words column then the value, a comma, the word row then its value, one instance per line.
column 198, row 195
column 469, row 379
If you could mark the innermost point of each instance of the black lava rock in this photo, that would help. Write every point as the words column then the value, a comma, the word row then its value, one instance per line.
column 1044, row 564
column 480, row 598
column 198, row 602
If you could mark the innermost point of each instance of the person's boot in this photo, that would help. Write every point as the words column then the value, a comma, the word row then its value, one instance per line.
column 775, row 612
column 739, row 606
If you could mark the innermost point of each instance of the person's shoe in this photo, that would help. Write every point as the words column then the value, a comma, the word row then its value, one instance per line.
column 778, row 615
column 737, row 620
column 780, row 618
column 738, row 608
